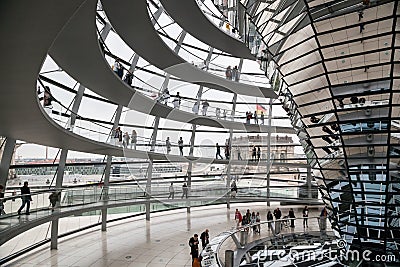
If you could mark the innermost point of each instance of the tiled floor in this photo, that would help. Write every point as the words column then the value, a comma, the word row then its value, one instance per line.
column 161, row 242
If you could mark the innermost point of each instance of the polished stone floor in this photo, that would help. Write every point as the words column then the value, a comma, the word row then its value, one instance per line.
column 161, row 242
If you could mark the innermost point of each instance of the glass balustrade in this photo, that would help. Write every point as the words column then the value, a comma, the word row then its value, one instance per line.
column 277, row 235
column 94, row 195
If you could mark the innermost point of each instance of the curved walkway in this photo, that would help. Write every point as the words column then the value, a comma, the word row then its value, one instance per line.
column 11, row 226
column 20, row 102
column 84, row 61
column 161, row 242
column 192, row 19
column 130, row 15
column 20, row 80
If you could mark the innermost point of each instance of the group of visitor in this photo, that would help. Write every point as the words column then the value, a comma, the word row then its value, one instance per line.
column 119, row 138
column 119, row 70
column 234, row 189
column 232, row 74
column 250, row 115
column 256, row 153
column 171, row 189
column 180, row 145
column 218, row 151
column 218, row 113
column 249, row 220
column 194, row 247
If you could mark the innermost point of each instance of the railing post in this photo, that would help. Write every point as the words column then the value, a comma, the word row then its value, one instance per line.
column 229, row 258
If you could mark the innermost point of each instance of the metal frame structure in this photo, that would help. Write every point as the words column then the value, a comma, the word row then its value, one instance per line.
column 337, row 61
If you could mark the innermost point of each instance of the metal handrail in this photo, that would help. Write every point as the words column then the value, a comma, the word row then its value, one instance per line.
column 243, row 228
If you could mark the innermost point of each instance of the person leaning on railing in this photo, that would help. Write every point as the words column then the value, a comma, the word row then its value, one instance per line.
column 54, row 198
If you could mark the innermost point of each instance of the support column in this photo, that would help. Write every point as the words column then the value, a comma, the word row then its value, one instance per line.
column 157, row 121
column 6, row 159
column 107, row 171
column 228, row 171
column 269, row 153
column 193, row 136
column 309, row 188
column 75, row 106
column 58, row 186
column 150, row 167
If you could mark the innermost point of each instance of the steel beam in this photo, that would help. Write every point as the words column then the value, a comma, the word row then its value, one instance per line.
column 269, row 153
column 107, row 171
column 6, row 159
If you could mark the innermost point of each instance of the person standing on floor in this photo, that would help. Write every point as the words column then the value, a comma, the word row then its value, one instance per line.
column 292, row 217
column 227, row 154
column 171, row 191
column 205, row 238
column 253, row 222
column 305, row 217
column 168, row 145
column 185, row 190
column 177, row 101
column 248, row 117
column 118, row 136
column 26, row 198
column 205, row 107
column 262, row 117
column 258, row 153
column 258, row 220
column 238, row 218
column 194, row 247
column 126, row 140
column 270, row 218
column 47, row 97
column 128, row 78
column 239, row 153
column 278, row 224
column 195, row 107
column 117, row 68
column 133, row 139
column 277, row 214
column 234, row 189
column 180, row 145
column 253, row 153
column 235, row 74
column 218, row 152
column 255, row 117
column 228, row 73
column 218, row 113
